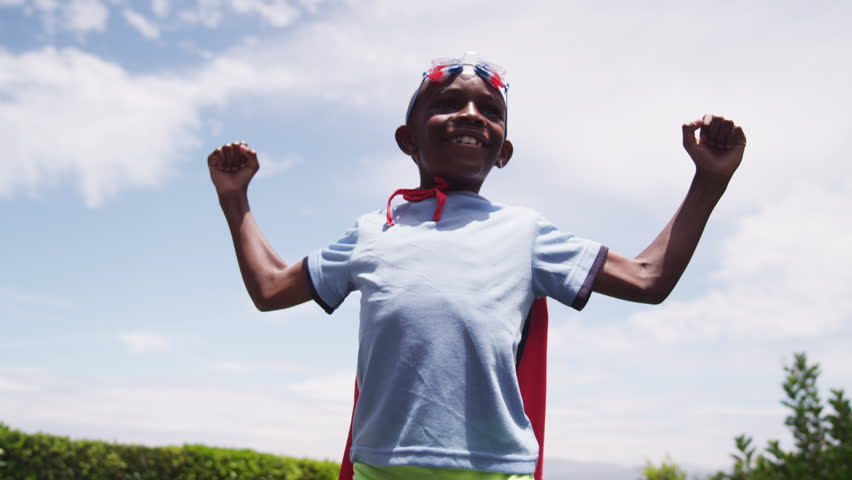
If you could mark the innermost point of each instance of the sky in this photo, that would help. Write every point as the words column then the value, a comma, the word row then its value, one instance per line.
column 122, row 312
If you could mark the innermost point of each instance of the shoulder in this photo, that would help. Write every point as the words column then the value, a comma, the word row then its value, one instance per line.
column 369, row 221
column 519, row 211
column 477, row 202
column 512, row 221
column 533, row 222
column 369, row 226
column 371, row 218
column 363, row 224
column 518, row 214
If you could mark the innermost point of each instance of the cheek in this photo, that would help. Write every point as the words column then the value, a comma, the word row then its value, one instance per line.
column 436, row 121
column 497, row 126
column 434, row 129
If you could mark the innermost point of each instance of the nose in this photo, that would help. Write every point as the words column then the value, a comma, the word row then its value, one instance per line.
column 470, row 115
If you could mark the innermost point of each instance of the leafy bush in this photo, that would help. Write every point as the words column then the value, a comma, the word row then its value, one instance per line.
column 822, row 441
column 40, row 456
column 668, row 470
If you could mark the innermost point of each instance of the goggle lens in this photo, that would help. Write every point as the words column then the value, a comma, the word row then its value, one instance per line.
column 445, row 67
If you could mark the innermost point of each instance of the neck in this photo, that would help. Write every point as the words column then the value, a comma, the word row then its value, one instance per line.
column 452, row 186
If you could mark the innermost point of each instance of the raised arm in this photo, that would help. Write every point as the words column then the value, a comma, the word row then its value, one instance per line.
column 651, row 276
column 270, row 282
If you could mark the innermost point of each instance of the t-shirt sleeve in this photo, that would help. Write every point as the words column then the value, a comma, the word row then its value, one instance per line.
column 328, row 271
column 564, row 266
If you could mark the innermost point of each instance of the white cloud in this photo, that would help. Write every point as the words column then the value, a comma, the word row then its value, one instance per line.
column 86, row 15
column 784, row 274
column 311, row 6
column 108, row 130
column 336, row 388
column 210, row 13
column 232, row 367
column 782, row 278
column 46, row 5
column 15, row 386
column 654, row 399
column 737, row 411
column 206, row 12
column 140, row 342
column 83, row 16
column 651, row 432
column 272, row 166
column 262, row 366
column 79, row 16
column 142, row 25
column 295, row 421
column 161, row 7
column 111, row 130
column 589, row 123
column 278, row 13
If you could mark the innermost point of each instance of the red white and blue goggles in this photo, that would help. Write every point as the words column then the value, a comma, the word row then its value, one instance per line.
column 445, row 68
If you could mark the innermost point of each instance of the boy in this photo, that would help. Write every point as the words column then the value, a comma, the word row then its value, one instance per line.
column 447, row 280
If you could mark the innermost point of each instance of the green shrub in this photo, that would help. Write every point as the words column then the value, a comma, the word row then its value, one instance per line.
column 40, row 456
column 668, row 470
column 822, row 447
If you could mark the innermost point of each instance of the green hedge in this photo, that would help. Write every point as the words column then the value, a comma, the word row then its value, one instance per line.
column 40, row 456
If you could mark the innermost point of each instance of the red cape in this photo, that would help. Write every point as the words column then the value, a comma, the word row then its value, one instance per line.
column 532, row 379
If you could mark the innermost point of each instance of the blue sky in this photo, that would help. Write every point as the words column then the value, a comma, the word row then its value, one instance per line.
column 122, row 312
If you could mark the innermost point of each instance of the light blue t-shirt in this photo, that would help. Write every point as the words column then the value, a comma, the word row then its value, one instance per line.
column 442, row 310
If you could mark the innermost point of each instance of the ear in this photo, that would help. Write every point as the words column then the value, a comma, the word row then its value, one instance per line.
column 405, row 140
column 505, row 154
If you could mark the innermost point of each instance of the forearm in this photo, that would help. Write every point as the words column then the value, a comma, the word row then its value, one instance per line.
column 653, row 274
column 260, row 266
column 665, row 259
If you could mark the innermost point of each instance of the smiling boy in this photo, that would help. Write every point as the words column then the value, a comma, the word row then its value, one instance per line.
column 448, row 277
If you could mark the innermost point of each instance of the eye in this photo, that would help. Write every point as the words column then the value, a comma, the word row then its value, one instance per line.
column 448, row 104
column 492, row 111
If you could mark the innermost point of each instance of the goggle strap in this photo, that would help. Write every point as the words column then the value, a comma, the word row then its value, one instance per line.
column 441, row 72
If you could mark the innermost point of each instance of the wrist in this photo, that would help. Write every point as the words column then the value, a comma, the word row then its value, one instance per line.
column 710, row 182
column 234, row 201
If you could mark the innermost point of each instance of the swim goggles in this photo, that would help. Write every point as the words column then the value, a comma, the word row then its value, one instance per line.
column 444, row 68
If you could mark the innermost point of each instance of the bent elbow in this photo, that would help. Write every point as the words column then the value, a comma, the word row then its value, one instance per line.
column 268, row 302
column 265, row 302
column 657, row 298
column 261, row 305
column 280, row 291
column 654, row 290
column 263, row 308
column 656, row 294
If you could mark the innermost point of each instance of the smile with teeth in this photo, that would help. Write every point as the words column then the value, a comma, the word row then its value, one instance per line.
column 467, row 140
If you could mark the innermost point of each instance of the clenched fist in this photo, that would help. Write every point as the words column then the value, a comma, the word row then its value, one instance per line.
column 232, row 167
column 719, row 148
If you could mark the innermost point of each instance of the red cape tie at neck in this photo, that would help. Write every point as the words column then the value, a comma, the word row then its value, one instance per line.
column 439, row 191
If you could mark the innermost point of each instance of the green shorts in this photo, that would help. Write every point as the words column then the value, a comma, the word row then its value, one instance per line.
column 369, row 472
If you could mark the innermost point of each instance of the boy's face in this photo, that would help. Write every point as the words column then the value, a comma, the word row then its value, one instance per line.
column 457, row 131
